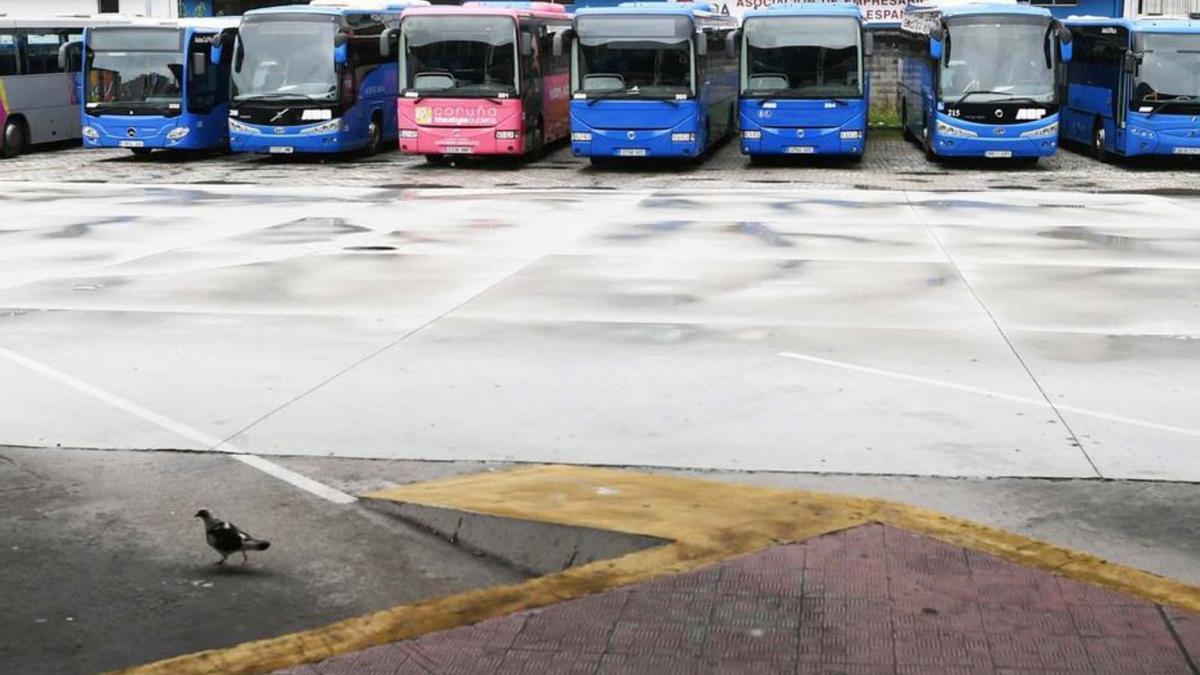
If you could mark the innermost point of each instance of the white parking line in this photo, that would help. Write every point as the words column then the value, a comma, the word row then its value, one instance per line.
column 1041, row 403
column 211, row 442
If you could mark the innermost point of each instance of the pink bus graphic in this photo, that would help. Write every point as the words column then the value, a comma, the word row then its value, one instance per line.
column 480, row 80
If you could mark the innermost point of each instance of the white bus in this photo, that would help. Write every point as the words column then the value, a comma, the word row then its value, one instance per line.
column 39, row 99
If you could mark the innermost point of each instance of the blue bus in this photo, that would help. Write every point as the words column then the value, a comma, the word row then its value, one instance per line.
column 1134, row 87
column 153, row 85
column 651, row 79
column 804, row 82
column 316, row 78
column 978, row 79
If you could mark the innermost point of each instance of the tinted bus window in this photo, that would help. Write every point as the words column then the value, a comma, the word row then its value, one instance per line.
column 41, row 53
column 207, row 84
column 8, row 54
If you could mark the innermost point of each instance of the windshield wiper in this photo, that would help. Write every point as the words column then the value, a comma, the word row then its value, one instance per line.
column 276, row 97
column 1010, row 99
column 1182, row 98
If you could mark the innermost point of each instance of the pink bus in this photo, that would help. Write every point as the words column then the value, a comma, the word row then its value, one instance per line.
column 482, row 79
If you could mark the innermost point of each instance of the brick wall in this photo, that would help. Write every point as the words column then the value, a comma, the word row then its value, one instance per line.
column 884, row 67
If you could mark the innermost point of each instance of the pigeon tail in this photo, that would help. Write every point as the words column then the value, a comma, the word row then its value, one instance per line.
column 256, row 545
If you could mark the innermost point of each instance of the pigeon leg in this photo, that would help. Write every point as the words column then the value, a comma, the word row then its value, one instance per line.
column 245, row 558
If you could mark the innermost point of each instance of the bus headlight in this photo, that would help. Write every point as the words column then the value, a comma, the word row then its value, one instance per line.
column 90, row 132
column 581, row 136
column 408, row 133
column 506, row 135
column 850, row 135
column 235, row 125
column 683, row 138
column 326, row 128
column 752, row 134
column 1048, row 130
column 1141, row 132
column 178, row 133
column 951, row 130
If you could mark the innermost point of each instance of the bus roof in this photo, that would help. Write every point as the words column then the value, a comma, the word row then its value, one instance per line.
column 693, row 9
column 64, row 21
column 341, row 7
column 808, row 9
column 1149, row 24
column 513, row 9
column 951, row 8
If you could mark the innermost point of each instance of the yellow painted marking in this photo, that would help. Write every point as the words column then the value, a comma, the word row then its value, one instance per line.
column 705, row 521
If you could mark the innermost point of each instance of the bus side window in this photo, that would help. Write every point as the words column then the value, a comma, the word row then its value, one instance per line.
column 8, row 54
column 41, row 53
column 75, row 52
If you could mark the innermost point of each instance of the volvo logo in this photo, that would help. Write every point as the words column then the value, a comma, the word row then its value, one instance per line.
column 131, row 132
column 630, row 135
column 999, row 113
column 279, row 130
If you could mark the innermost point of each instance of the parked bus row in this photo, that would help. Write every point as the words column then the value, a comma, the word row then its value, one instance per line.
column 643, row 79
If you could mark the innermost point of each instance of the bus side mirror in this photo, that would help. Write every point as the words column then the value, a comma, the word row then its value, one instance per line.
column 731, row 41
column 526, row 46
column 388, row 38
column 1130, row 62
column 701, row 43
column 936, row 44
column 559, row 46
column 64, row 54
column 341, row 51
column 868, row 44
column 1066, row 47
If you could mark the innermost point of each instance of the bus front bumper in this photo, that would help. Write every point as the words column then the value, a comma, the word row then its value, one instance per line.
column 634, row 142
column 1141, row 140
column 327, row 137
column 461, row 141
column 137, row 133
column 956, row 138
column 762, row 140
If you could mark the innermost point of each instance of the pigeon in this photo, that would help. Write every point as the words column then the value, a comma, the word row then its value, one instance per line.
column 227, row 539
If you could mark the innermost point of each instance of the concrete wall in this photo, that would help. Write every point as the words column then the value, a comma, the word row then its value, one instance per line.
column 155, row 8
column 884, row 67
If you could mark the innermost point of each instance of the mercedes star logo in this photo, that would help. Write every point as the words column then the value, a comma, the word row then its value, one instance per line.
column 131, row 132
column 630, row 135
column 799, row 133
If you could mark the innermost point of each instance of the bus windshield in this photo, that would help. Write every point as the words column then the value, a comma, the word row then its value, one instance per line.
column 997, row 59
column 634, row 57
column 798, row 57
column 1169, row 72
column 459, row 56
column 283, row 58
column 140, row 69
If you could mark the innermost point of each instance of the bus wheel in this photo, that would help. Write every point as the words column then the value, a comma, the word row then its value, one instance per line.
column 374, row 135
column 1100, row 143
column 14, row 139
column 904, row 130
column 436, row 159
column 538, row 143
column 927, row 145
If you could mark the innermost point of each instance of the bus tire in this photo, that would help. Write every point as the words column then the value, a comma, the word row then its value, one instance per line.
column 374, row 134
column 539, row 141
column 439, row 160
column 1099, row 142
column 15, row 139
column 927, row 145
column 905, row 131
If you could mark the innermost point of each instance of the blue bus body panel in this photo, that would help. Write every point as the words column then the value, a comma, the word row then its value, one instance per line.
column 618, row 125
column 802, row 126
column 989, row 138
column 1164, row 133
column 205, row 130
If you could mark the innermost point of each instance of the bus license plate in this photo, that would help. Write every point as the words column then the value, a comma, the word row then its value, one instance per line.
column 458, row 149
column 801, row 150
column 133, row 144
column 997, row 154
column 281, row 149
column 1187, row 151
column 631, row 152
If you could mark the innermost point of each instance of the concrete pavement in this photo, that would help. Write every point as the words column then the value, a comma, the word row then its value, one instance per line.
column 982, row 334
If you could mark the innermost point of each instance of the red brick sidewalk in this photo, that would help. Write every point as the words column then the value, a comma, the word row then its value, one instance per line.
column 870, row 600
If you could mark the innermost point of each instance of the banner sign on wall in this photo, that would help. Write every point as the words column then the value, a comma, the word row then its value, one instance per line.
column 880, row 12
